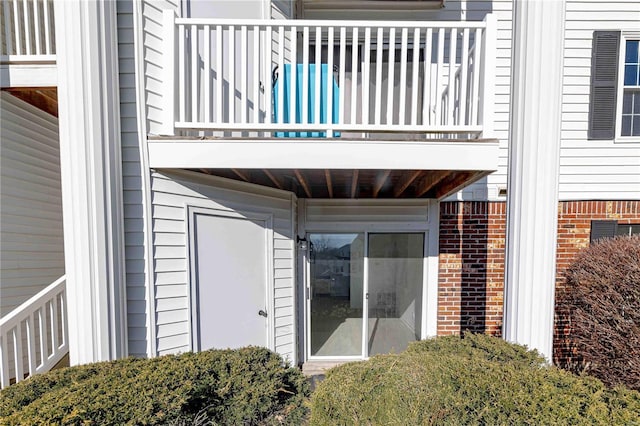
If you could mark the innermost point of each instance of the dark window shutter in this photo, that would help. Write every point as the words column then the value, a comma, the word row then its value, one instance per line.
column 603, row 229
column 604, row 85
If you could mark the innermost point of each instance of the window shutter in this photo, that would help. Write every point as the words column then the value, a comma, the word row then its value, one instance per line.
column 604, row 85
column 603, row 229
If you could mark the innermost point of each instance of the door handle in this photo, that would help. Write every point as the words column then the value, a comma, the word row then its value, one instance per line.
column 262, row 313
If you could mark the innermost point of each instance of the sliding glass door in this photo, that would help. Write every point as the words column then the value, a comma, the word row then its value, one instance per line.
column 365, row 293
column 336, row 264
column 395, row 266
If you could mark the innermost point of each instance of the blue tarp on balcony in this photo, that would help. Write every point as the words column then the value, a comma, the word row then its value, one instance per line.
column 285, row 77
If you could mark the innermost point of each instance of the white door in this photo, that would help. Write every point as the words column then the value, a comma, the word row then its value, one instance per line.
column 231, row 281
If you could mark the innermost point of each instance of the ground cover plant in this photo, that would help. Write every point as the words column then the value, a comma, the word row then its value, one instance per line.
column 472, row 380
column 245, row 386
column 598, row 313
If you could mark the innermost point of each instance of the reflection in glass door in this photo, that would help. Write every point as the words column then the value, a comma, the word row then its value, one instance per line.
column 336, row 294
column 395, row 281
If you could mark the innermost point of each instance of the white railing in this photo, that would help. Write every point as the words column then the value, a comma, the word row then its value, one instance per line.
column 237, row 75
column 33, row 337
column 28, row 31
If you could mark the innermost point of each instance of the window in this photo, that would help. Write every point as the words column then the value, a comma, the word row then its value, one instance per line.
column 611, row 228
column 614, row 104
column 630, row 117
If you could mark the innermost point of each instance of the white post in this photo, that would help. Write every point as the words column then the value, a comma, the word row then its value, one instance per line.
column 488, row 73
column 169, row 100
column 89, row 122
column 534, row 144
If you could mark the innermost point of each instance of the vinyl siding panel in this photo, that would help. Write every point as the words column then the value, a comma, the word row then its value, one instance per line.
column 152, row 11
column 172, row 191
column 593, row 169
column 32, row 249
column 132, row 171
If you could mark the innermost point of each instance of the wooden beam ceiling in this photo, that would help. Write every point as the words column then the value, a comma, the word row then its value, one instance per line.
column 355, row 183
column 44, row 98
column 303, row 182
column 327, row 176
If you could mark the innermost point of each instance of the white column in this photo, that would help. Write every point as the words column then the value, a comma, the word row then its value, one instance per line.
column 534, row 145
column 88, row 103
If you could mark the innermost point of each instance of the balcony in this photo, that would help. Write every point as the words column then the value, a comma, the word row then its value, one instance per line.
column 376, row 104
column 28, row 51
column 300, row 78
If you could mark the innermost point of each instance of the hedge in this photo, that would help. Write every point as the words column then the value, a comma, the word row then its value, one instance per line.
column 472, row 380
column 598, row 313
column 245, row 386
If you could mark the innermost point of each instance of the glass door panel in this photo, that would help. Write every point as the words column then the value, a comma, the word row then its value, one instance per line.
column 336, row 264
column 395, row 275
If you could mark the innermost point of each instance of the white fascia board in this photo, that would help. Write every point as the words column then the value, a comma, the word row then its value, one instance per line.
column 283, row 154
column 29, row 75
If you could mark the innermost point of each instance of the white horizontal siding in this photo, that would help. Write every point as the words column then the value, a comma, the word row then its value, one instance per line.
column 132, row 171
column 155, row 86
column 32, row 249
column 589, row 170
column 172, row 191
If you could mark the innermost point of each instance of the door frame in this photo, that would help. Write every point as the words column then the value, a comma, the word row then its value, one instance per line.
column 372, row 228
column 192, row 273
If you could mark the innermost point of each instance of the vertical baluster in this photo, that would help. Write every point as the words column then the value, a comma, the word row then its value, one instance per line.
column 55, row 341
column 36, row 25
column 280, row 118
column 231, row 107
column 268, row 92
column 330, row 83
column 16, row 26
column 317, row 94
column 182, row 78
column 342, row 76
column 16, row 333
column 194, row 74
column 365, row 75
column 207, row 73
column 474, row 105
column 391, row 74
column 243, row 74
column 305, row 75
column 414, row 74
column 27, row 27
column 4, row 362
column 426, row 88
column 7, row 27
column 453, row 52
column 63, row 318
column 219, row 73
column 462, row 102
column 403, row 76
column 256, row 74
column 293, row 98
column 438, row 90
column 354, row 75
column 378, row 86
column 31, row 346
column 47, row 31
column 42, row 337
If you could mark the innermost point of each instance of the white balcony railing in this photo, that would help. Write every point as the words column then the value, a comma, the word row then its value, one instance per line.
column 33, row 337
column 260, row 76
column 28, row 31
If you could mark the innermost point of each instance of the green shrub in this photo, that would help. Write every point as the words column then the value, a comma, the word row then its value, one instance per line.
column 598, row 313
column 244, row 386
column 472, row 380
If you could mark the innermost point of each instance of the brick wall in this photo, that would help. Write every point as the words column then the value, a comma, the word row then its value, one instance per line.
column 472, row 244
column 574, row 230
column 471, row 276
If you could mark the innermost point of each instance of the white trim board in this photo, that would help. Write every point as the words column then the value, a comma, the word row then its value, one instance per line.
column 334, row 154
